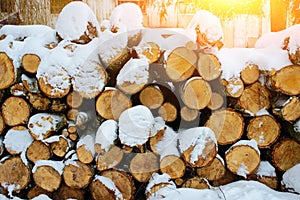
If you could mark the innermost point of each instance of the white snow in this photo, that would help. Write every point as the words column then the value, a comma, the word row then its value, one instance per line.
column 263, row 112
column 265, row 169
column 291, row 179
column 197, row 137
column 242, row 170
column 110, row 185
column 24, row 158
column 57, row 165
column 106, row 134
column 168, row 144
column 297, row 126
column 134, row 71
column 71, row 162
column 40, row 123
column 88, row 141
column 73, row 20
column 157, row 179
column 10, row 188
column 17, row 140
column 251, row 143
column 136, row 125
column 239, row 190
column 41, row 197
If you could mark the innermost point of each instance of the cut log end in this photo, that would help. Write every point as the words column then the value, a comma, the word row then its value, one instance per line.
column 7, row 71
column 152, row 97
column 234, row 87
column 38, row 150
column 213, row 171
column 109, row 159
column 208, row 66
column 47, row 178
column 196, row 183
column 188, row 114
column 250, row 74
column 173, row 165
column 168, row 112
column 31, row 62
column 54, row 91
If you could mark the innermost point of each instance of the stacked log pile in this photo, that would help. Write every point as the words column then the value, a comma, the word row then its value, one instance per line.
column 98, row 115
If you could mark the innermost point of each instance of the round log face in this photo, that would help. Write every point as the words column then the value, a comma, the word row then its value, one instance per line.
column 7, row 71
column 31, row 62
column 173, row 165
column 47, row 178
column 84, row 155
column 196, row 183
column 208, row 66
column 227, row 125
column 213, row 171
column 38, row 150
column 242, row 160
column 188, row 114
column 100, row 191
column 14, row 172
column 109, row 159
column 15, row 111
column 286, row 154
column 264, row 130
column 151, row 97
column 151, row 51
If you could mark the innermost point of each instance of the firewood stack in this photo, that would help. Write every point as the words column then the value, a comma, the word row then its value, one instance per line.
column 92, row 116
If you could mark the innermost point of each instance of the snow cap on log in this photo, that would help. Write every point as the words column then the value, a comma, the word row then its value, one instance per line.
column 106, row 134
column 137, row 124
column 291, row 179
column 106, row 186
column 77, row 23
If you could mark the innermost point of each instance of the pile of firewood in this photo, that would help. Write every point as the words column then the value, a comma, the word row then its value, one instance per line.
column 80, row 122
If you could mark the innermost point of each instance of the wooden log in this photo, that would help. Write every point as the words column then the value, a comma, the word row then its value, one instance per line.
column 111, row 103
column 59, row 148
column 289, row 110
column 17, row 90
column 38, row 150
column 208, row 66
column 213, row 171
column 287, row 80
column 216, row 101
column 77, row 174
column 31, row 62
column 198, row 146
column 17, row 139
column 152, row 97
column 228, row 177
column 39, row 102
column 243, row 158
column 64, row 193
column 43, row 125
column 133, row 76
column 7, row 75
column 123, row 182
column 109, row 159
column 188, row 114
column 72, row 114
column 58, row 106
column 30, row 84
column 36, row 191
column 2, row 124
column 85, row 149
column 14, row 173
column 158, row 182
column 143, row 165
column 47, row 174
column 196, row 93
column 74, row 100
column 155, row 139
column 150, row 50
column 196, row 183
column 286, row 154
column 181, row 64
column 103, row 188
column 168, row 112
column 264, row 129
column 172, row 165
column 15, row 111
column 254, row 98
column 250, row 74
column 234, row 87
column 266, row 174
column 227, row 125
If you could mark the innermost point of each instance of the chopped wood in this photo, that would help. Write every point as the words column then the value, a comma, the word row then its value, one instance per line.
column 2, row 124
column 155, row 139
column 227, row 125
column 77, row 174
column 109, row 159
column 58, row 106
column 111, row 103
column 143, row 165
column 208, row 66
column 30, row 84
column 64, row 193
column 74, row 100
column 168, row 112
column 181, row 64
column 60, row 147
column 152, row 97
column 290, row 111
column 188, row 114
column 31, row 62
column 172, row 165
column 7, row 75
column 150, row 50
column 264, row 129
column 100, row 189
column 228, row 177
column 234, row 87
column 196, row 93
column 250, row 74
column 47, row 178
column 243, row 158
column 72, row 114
column 15, row 111
column 216, row 101
column 84, row 154
column 38, row 150
column 286, row 154
column 36, row 191
column 123, row 182
column 39, row 102
column 287, row 80
column 196, row 183
column 254, row 98
column 13, row 172
column 213, row 171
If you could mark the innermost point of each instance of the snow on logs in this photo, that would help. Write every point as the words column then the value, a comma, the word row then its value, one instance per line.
column 97, row 111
